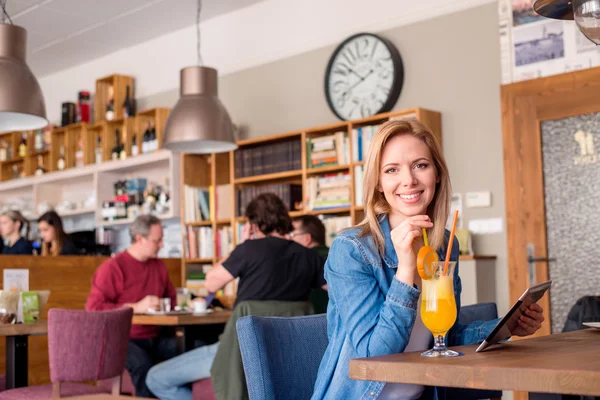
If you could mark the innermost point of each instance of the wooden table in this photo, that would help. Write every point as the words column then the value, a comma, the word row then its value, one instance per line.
column 181, row 321
column 566, row 363
column 17, row 343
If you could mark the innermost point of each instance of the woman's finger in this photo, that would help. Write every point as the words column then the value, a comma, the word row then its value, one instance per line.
column 538, row 316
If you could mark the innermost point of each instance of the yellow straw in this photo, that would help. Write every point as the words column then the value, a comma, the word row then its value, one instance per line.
column 425, row 240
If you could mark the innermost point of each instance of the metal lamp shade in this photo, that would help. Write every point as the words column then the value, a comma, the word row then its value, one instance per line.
column 556, row 9
column 199, row 123
column 21, row 101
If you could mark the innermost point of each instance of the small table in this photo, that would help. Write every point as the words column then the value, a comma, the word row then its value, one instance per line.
column 16, row 350
column 566, row 363
column 181, row 321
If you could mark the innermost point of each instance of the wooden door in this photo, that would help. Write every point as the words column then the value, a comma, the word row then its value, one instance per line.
column 535, row 113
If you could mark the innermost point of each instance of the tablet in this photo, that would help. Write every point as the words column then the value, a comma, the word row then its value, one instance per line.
column 508, row 324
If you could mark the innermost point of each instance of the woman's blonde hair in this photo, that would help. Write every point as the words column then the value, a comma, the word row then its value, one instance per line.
column 374, row 200
column 16, row 216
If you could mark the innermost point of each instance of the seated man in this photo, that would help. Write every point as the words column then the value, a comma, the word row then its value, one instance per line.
column 309, row 231
column 136, row 278
column 270, row 267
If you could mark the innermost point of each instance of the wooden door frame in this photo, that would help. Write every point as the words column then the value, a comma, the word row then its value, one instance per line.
column 524, row 106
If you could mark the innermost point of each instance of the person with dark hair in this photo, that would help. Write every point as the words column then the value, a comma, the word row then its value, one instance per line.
column 12, row 224
column 137, row 279
column 55, row 241
column 309, row 231
column 269, row 267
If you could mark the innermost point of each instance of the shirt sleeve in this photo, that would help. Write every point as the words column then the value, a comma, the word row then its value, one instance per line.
column 105, row 288
column 377, row 324
column 236, row 263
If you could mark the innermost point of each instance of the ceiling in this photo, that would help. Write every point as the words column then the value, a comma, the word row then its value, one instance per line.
column 65, row 33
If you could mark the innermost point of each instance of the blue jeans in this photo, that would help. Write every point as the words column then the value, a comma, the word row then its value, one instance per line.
column 170, row 380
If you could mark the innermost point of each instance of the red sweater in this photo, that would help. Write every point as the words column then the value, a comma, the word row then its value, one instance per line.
column 123, row 279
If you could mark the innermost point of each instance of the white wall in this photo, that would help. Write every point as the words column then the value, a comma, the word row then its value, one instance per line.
column 252, row 36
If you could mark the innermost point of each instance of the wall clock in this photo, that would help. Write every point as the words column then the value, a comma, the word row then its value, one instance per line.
column 364, row 77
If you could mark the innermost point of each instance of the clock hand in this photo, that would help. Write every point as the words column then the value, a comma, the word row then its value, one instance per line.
column 358, row 83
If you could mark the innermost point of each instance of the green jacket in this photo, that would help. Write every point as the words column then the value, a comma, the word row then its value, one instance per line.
column 319, row 297
column 227, row 371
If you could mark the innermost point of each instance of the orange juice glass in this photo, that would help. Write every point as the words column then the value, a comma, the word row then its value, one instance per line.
column 438, row 308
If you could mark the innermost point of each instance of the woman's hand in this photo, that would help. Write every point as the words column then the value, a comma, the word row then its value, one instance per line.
column 246, row 232
column 530, row 321
column 403, row 238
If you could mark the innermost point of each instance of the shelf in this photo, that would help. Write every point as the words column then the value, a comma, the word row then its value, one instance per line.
column 329, row 211
column 38, row 153
column 264, row 140
column 324, row 170
column 294, row 214
column 355, row 163
column 19, row 183
column 359, row 208
column 70, row 213
column 130, row 220
column 223, row 221
column 269, row 177
column 13, row 161
column 199, row 223
column 199, row 261
column 476, row 257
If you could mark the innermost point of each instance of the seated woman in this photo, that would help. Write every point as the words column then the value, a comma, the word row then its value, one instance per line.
column 55, row 241
column 371, row 272
column 12, row 224
column 270, row 267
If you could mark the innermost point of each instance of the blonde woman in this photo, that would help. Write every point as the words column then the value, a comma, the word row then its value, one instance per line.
column 371, row 272
column 12, row 225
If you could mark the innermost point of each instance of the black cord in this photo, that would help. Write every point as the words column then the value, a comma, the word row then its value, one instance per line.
column 4, row 13
column 200, row 61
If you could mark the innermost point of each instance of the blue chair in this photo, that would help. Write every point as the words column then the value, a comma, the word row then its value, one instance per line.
column 281, row 355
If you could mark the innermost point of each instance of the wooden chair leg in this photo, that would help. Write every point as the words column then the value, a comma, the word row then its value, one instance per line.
column 116, row 386
column 56, row 390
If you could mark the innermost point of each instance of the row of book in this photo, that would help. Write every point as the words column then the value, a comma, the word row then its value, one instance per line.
column 361, row 140
column 290, row 193
column 207, row 203
column 268, row 158
column 324, row 151
column 328, row 191
column 224, row 241
column 199, row 242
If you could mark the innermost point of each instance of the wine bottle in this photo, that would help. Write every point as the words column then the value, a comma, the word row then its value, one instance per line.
column 79, row 154
column 38, row 144
column 40, row 170
column 98, row 150
column 23, row 146
column 110, row 105
column 116, row 150
column 61, row 159
column 128, row 105
column 134, row 146
column 153, row 139
column 146, row 139
column 3, row 150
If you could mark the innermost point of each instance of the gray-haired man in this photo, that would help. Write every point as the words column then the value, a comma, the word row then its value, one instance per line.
column 136, row 278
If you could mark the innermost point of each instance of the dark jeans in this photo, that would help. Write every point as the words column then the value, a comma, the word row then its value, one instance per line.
column 142, row 354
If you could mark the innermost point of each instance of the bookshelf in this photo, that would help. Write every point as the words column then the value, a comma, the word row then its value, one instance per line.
column 282, row 162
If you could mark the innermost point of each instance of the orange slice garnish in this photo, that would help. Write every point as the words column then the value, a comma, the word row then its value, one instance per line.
column 426, row 256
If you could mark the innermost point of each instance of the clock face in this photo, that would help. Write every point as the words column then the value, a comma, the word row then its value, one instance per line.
column 364, row 77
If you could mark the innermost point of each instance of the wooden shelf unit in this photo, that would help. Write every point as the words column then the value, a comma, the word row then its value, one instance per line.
column 119, row 84
column 211, row 170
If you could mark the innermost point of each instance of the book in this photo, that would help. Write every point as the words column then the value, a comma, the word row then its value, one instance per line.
column 31, row 307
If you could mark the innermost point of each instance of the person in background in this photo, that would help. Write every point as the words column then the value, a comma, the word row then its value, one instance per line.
column 55, row 242
column 309, row 231
column 12, row 224
column 270, row 267
column 136, row 278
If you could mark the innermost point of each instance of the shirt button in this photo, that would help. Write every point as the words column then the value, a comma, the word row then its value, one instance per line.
column 372, row 394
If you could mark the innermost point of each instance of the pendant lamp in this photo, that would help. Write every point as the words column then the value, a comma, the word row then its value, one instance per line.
column 586, row 14
column 199, row 123
column 22, row 105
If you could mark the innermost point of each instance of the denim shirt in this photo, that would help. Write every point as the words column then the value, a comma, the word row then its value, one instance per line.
column 371, row 313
